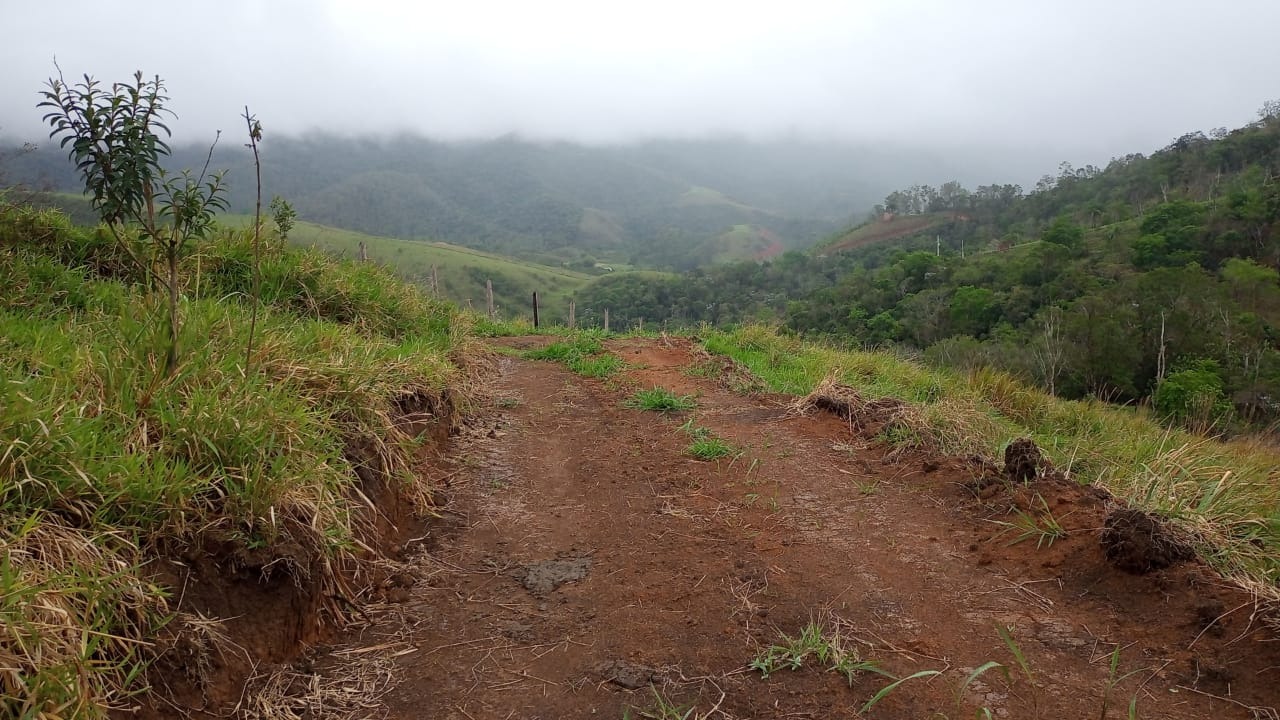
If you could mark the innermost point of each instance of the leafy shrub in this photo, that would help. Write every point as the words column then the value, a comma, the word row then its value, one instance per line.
column 1194, row 397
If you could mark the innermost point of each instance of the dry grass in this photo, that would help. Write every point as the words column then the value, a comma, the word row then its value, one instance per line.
column 74, row 619
column 352, row 693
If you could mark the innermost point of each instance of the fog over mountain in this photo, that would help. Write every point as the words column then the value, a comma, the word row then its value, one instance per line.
column 1009, row 88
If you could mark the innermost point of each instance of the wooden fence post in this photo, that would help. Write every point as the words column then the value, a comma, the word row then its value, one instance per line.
column 572, row 319
column 488, row 296
column 606, row 320
column 435, row 283
column 641, row 324
column 364, row 252
column 535, row 309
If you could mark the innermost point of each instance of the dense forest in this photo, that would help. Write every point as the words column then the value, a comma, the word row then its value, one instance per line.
column 660, row 204
column 1154, row 278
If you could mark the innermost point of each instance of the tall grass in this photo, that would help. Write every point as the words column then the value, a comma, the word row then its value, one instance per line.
column 1226, row 495
column 103, row 462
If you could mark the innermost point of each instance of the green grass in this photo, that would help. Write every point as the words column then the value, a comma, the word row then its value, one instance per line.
column 1222, row 494
column 105, row 465
column 828, row 649
column 461, row 272
column 1039, row 525
column 710, row 448
column 582, row 353
column 705, row 445
column 659, row 400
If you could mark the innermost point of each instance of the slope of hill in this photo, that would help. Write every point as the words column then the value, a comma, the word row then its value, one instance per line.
column 884, row 228
column 461, row 273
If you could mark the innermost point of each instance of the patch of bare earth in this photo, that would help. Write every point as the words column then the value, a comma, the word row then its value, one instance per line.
column 583, row 558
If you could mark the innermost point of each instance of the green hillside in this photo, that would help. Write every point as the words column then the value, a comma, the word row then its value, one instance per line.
column 1154, row 280
column 461, row 272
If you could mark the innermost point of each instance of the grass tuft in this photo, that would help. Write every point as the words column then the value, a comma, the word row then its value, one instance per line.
column 582, row 353
column 659, row 400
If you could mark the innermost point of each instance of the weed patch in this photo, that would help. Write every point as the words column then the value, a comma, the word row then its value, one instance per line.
column 583, row 354
column 659, row 400
column 704, row 444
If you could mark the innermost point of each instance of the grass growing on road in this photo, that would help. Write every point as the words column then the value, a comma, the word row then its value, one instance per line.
column 659, row 400
column 583, row 354
column 704, row 444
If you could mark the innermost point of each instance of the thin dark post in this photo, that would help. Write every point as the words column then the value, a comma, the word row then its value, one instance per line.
column 535, row 309
column 572, row 319
column 435, row 283
column 488, row 296
column 364, row 253
column 606, row 319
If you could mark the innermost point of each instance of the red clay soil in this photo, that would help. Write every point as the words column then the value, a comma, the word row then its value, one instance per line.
column 585, row 561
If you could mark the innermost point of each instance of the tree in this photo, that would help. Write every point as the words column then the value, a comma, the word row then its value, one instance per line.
column 1064, row 232
column 973, row 310
column 115, row 141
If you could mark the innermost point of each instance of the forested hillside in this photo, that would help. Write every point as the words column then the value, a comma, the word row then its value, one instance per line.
column 671, row 204
column 1155, row 277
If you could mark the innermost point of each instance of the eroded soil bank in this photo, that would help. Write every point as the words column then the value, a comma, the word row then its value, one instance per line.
column 585, row 564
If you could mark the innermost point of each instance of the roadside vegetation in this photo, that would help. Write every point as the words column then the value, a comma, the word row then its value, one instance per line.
column 108, row 464
column 173, row 388
column 460, row 273
column 1223, row 495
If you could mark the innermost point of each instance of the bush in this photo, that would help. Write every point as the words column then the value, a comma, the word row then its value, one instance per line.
column 1193, row 397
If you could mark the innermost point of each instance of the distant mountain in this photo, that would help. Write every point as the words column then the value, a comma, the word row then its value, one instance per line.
column 663, row 203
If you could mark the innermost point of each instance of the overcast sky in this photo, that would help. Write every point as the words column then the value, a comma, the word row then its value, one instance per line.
column 1076, row 79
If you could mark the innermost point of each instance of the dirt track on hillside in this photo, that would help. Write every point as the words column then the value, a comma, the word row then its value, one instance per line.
column 582, row 558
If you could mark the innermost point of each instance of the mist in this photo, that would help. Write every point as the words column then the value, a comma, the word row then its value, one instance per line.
column 1014, row 87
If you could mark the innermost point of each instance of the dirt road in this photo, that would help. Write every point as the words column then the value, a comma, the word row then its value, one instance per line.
column 585, row 565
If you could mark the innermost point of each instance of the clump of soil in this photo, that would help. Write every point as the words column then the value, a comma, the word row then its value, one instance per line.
column 869, row 417
column 627, row 674
column 541, row 578
column 1138, row 543
column 1023, row 461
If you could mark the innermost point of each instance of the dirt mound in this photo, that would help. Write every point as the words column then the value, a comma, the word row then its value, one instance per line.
column 1023, row 461
column 871, row 417
column 1138, row 543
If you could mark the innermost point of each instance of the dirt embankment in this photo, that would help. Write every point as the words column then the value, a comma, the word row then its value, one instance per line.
column 586, row 565
column 240, row 612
